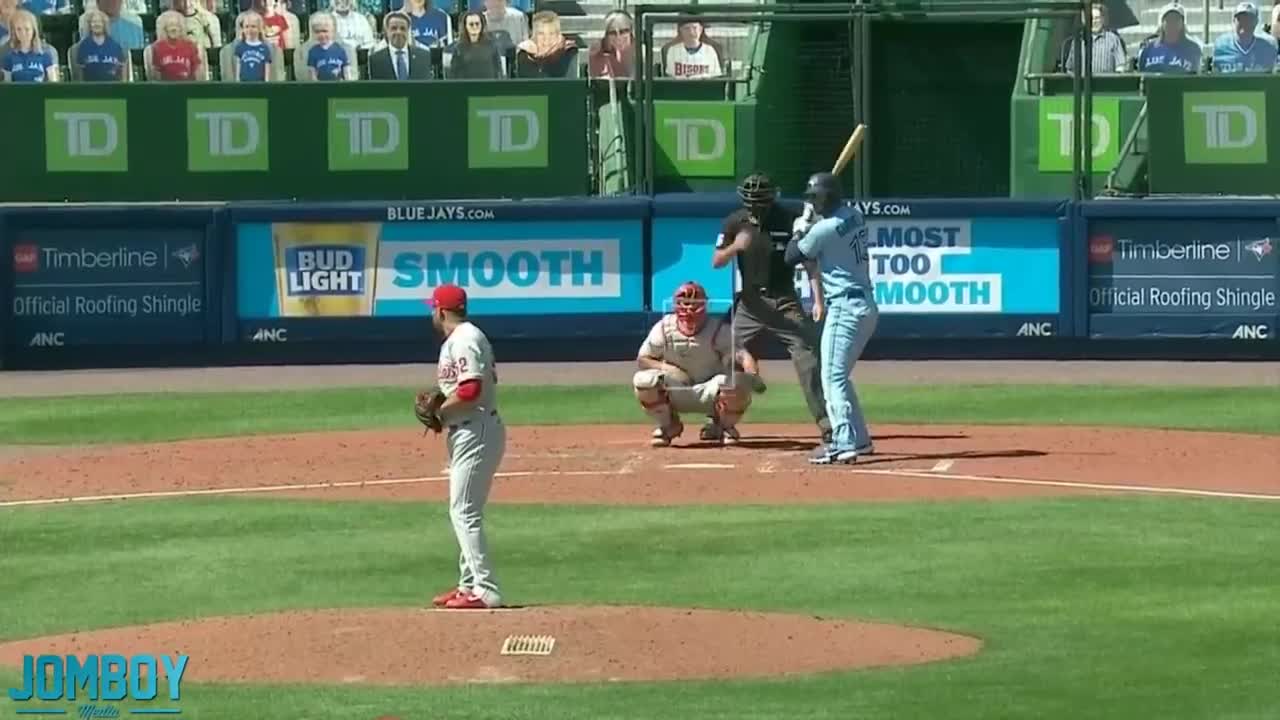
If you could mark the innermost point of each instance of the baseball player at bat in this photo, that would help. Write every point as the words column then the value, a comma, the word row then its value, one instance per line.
column 835, row 236
column 686, row 365
column 465, row 406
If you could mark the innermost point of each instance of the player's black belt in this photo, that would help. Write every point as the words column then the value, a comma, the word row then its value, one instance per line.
column 468, row 421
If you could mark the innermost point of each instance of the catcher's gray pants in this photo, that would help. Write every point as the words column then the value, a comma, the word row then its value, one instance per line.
column 785, row 317
column 476, row 443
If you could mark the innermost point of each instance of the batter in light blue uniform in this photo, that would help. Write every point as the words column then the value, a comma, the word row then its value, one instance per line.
column 837, row 242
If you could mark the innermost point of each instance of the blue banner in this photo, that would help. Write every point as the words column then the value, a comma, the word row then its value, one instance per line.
column 1203, row 277
column 387, row 269
column 107, row 286
column 940, row 269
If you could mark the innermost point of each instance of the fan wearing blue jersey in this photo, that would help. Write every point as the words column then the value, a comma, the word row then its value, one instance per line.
column 252, row 57
column 837, row 242
column 98, row 57
column 28, row 58
column 1171, row 51
column 327, row 59
column 1243, row 51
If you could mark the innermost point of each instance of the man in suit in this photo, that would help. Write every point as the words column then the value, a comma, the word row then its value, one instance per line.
column 400, row 60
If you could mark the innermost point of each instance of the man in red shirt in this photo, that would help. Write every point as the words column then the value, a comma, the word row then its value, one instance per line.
column 173, row 56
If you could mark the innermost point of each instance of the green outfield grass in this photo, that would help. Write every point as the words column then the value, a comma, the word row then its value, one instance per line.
column 1090, row 608
column 172, row 416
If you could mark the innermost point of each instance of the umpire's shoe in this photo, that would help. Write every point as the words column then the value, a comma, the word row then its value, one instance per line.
column 826, row 455
column 714, row 432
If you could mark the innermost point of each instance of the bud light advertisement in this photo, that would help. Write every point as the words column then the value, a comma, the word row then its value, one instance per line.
column 110, row 286
column 1184, row 278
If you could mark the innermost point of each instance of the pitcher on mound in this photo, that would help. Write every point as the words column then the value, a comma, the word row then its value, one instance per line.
column 687, row 364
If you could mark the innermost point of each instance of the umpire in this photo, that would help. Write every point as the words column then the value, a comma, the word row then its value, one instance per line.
column 758, row 234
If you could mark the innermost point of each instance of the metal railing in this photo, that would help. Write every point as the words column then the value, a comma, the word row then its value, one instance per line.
column 647, row 16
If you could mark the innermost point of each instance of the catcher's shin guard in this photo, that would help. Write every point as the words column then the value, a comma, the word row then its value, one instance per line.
column 730, row 406
column 668, row 422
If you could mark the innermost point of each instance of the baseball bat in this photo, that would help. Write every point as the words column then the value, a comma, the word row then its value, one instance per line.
column 850, row 149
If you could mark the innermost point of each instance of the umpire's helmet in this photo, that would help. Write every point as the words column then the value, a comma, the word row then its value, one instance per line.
column 757, row 190
column 823, row 191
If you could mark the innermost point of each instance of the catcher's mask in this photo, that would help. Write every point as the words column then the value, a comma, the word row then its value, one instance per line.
column 757, row 192
column 691, row 307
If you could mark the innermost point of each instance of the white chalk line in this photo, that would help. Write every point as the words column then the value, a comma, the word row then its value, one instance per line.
column 942, row 465
column 1116, row 487
column 924, row 474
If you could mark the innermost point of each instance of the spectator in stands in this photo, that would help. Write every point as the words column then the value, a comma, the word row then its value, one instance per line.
column 615, row 55
column 327, row 59
column 506, row 25
column 174, row 57
column 475, row 55
column 1171, row 51
column 1105, row 45
column 132, row 8
column 520, row 6
column 400, row 59
column 28, row 58
column 99, row 57
column 202, row 27
column 548, row 53
column 1242, row 50
column 7, row 8
column 123, row 26
column 275, row 23
column 351, row 27
column 691, row 55
column 252, row 59
column 47, row 7
column 429, row 25
column 371, row 8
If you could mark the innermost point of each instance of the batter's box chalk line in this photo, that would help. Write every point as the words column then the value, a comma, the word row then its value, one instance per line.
column 528, row 645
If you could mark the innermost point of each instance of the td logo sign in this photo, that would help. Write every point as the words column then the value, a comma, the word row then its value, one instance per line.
column 1057, row 128
column 1227, row 128
column 695, row 139
column 227, row 135
column 368, row 134
column 86, row 136
column 507, row 132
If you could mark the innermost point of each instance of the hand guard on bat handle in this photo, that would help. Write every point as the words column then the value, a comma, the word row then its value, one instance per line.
column 426, row 407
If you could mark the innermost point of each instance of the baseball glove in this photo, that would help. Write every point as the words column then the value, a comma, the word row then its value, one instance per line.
column 426, row 407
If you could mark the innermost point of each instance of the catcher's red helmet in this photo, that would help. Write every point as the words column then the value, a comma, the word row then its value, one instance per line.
column 691, row 306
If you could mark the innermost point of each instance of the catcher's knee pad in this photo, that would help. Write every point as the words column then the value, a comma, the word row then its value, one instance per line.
column 648, row 380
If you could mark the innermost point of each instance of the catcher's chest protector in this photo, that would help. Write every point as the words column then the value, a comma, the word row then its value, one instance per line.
column 698, row 354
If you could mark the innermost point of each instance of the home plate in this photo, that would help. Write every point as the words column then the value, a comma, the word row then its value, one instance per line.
column 700, row 466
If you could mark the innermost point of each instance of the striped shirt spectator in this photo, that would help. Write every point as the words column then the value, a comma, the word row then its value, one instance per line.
column 1106, row 47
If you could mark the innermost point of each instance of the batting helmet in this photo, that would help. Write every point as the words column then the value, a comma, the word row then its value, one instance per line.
column 691, row 307
column 757, row 190
column 823, row 192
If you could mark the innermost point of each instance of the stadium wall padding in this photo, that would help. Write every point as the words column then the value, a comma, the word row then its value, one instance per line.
column 583, row 278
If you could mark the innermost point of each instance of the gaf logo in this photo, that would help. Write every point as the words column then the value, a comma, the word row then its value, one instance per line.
column 1251, row 332
column 48, row 339
column 1040, row 329
column 26, row 258
column 277, row 335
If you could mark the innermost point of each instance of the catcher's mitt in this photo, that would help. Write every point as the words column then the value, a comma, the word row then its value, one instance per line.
column 426, row 407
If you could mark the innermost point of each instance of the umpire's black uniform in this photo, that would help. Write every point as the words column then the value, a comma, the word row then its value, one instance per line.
column 768, row 300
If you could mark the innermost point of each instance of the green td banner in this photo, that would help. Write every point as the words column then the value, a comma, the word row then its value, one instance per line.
column 1214, row 134
column 1057, row 128
column 507, row 131
column 86, row 136
column 368, row 134
column 229, row 135
column 694, row 139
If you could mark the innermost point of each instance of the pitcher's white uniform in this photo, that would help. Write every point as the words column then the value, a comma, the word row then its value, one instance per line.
column 476, row 442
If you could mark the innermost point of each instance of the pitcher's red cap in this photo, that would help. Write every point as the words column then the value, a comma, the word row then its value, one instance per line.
column 448, row 297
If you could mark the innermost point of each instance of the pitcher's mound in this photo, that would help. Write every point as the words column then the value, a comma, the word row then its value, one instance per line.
column 425, row 647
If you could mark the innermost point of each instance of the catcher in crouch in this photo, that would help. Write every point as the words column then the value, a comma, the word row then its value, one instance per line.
column 686, row 363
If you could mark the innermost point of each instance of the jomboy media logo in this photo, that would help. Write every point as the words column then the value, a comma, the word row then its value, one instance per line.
column 99, row 683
